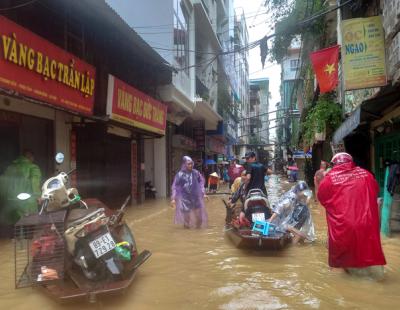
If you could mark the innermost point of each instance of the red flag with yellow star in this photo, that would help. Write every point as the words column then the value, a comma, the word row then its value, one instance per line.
column 325, row 64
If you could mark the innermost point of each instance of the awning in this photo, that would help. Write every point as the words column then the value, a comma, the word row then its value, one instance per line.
column 371, row 109
column 347, row 126
column 179, row 105
column 204, row 111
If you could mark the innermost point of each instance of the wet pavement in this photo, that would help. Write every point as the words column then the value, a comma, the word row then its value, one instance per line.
column 200, row 269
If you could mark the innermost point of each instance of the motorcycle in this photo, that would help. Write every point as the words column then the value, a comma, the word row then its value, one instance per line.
column 256, row 206
column 74, row 248
column 149, row 190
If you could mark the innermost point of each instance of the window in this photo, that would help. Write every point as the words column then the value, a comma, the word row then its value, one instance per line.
column 294, row 64
column 181, row 35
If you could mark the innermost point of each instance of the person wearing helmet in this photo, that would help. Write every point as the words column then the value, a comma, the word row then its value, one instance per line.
column 349, row 195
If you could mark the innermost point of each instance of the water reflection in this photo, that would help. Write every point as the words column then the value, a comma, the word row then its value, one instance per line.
column 200, row 269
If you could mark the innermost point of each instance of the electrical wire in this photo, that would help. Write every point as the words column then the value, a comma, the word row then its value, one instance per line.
column 207, row 63
column 257, row 132
column 258, row 10
column 267, row 67
column 19, row 5
column 244, row 48
column 247, row 16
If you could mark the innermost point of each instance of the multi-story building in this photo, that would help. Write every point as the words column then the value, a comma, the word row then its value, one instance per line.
column 289, row 117
column 241, row 40
column 208, row 50
column 196, row 39
column 216, row 76
column 263, row 115
column 253, row 119
column 169, row 28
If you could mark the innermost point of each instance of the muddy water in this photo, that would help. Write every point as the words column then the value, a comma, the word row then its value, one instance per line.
column 200, row 269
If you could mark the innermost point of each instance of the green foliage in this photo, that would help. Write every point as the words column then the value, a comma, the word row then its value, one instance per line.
column 279, row 8
column 287, row 14
column 326, row 116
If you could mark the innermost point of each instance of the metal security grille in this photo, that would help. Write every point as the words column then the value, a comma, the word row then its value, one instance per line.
column 39, row 249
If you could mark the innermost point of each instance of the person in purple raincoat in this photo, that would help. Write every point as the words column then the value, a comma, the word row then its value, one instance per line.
column 188, row 196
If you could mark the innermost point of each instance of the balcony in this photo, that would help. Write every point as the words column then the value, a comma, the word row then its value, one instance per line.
column 204, row 111
column 206, row 23
column 255, row 97
column 202, row 90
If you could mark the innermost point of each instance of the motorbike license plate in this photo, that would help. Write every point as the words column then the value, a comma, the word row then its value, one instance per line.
column 258, row 217
column 102, row 245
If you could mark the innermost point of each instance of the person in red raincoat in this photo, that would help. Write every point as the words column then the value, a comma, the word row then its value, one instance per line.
column 349, row 195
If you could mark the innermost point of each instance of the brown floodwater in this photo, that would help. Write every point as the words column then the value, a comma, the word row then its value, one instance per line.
column 201, row 269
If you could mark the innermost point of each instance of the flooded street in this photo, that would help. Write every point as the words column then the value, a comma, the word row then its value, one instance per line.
column 201, row 269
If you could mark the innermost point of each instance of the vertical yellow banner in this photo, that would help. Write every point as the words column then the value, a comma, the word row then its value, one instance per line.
column 363, row 53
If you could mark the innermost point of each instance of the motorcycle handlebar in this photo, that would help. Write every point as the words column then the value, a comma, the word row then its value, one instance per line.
column 45, row 203
column 71, row 171
column 125, row 203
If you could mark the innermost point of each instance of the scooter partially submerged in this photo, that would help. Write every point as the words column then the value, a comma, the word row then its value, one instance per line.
column 73, row 248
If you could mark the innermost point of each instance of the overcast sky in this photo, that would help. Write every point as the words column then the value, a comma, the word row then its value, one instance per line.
column 258, row 24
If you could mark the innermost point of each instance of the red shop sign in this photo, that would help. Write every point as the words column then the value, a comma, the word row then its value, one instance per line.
column 39, row 69
column 130, row 106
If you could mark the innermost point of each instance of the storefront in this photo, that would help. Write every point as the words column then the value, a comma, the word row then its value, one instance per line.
column 371, row 134
column 112, row 154
column 19, row 132
column 42, row 87
column 183, row 146
column 215, row 149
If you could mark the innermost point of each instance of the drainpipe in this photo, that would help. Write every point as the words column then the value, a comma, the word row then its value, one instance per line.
column 339, row 42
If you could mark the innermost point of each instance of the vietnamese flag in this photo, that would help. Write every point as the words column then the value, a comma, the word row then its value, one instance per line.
column 325, row 64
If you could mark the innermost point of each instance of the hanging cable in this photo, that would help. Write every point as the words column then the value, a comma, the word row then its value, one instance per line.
column 19, row 5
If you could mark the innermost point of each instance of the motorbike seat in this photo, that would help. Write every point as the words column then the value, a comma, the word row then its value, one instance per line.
column 77, row 213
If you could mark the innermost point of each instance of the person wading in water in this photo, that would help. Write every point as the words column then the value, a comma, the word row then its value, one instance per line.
column 188, row 196
column 350, row 196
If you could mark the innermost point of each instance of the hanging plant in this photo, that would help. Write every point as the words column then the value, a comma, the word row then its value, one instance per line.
column 322, row 119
